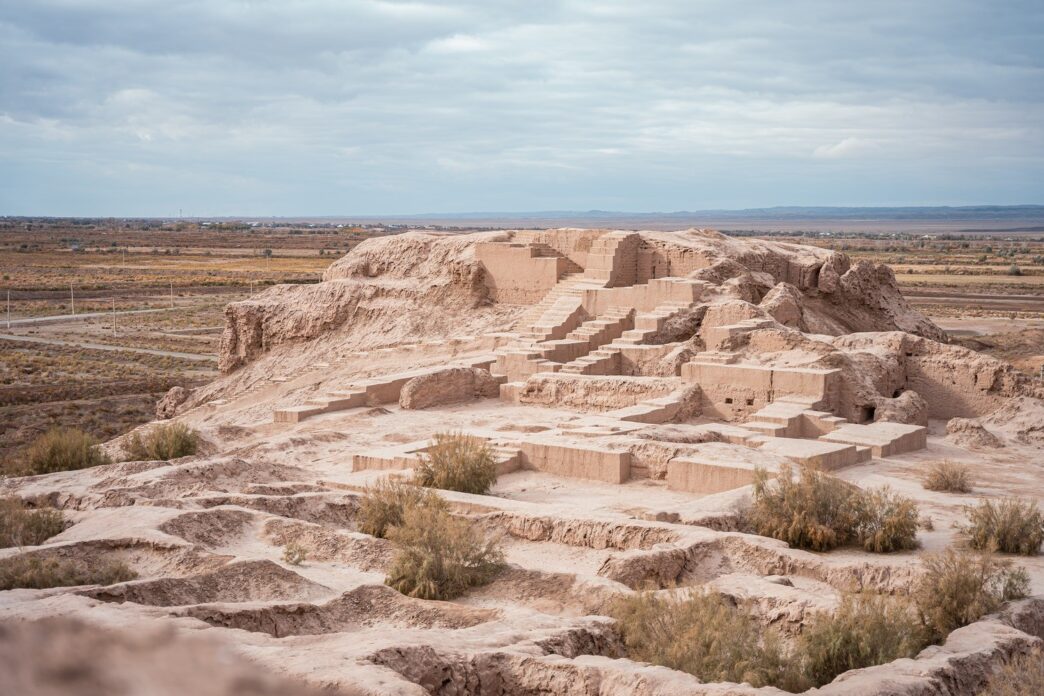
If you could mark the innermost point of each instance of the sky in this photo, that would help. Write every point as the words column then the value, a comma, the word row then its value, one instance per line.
column 340, row 107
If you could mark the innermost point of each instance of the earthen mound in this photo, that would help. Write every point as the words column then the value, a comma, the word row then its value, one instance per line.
column 448, row 386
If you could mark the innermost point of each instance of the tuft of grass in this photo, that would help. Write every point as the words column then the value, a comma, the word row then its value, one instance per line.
column 1021, row 676
column 865, row 630
column 1009, row 525
column 700, row 633
column 294, row 553
column 164, row 441
column 20, row 526
column 947, row 476
column 384, row 502
column 38, row 573
column 458, row 462
column 959, row 587
column 63, row 449
column 820, row 512
column 439, row 556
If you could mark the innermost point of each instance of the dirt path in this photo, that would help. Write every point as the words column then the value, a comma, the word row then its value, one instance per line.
column 102, row 346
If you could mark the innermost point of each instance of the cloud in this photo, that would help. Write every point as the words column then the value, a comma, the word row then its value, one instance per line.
column 342, row 106
column 844, row 148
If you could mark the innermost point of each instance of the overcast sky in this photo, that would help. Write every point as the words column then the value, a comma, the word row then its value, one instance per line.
column 329, row 107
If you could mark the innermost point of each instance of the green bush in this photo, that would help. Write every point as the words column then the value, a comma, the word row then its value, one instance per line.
column 439, row 556
column 384, row 502
column 458, row 462
column 20, row 526
column 947, row 476
column 820, row 512
column 1021, row 676
column 865, row 630
column 38, row 573
column 63, row 449
column 164, row 441
column 959, row 587
column 705, row 636
column 1009, row 525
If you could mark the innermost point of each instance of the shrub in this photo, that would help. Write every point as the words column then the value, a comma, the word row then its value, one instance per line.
column 703, row 635
column 63, row 449
column 887, row 522
column 1009, row 525
column 383, row 505
column 22, row 527
column 165, row 441
column 947, row 476
column 820, row 512
column 814, row 511
column 458, row 462
column 440, row 556
column 1022, row 676
column 35, row 572
column 294, row 553
column 958, row 588
column 865, row 630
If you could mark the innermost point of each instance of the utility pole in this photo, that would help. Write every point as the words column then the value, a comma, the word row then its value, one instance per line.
column 72, row 298
column 8, row 310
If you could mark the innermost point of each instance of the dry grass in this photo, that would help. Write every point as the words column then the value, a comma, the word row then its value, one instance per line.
column 1009, row 525
column 295, row 554
column 62, row 449
column 947, row 476
column 1022, row 676
column 439, row 556
column 820, row 512
column 887, row 521
column 458, row 462
column 959, row 587
column 703, row 635
column 865, row 630
column 385, row 501
column 165, row 441
column 21, row 526
column 35, row 572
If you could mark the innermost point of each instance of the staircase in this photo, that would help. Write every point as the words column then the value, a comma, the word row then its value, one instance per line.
column 541, row 250
column 648, row 324
column 604, row 361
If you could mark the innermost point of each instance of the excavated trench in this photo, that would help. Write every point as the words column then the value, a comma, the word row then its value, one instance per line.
column 506, row 672
column 363, row 607
column 241, row 581
column 701, row 562
column 330, row 509
column 146, row 558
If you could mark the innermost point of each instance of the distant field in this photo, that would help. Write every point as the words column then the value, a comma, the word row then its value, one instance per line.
column 114, row 267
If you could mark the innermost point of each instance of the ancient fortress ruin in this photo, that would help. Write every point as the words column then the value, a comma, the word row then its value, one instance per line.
column 630, row 384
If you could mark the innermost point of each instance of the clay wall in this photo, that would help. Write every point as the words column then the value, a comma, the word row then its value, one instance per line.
column 576, row 461
column 736, row 392
column 656, row 260
column 571, row 243
column 514, row 275
column 643, row 298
